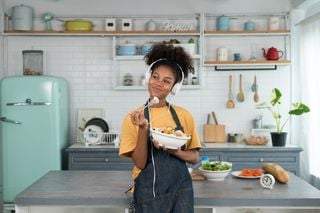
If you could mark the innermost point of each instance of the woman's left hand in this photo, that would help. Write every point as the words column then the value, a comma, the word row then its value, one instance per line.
column 190, row 156
column 158, row 146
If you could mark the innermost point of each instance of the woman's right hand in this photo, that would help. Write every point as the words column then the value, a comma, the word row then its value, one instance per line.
column 138, row 119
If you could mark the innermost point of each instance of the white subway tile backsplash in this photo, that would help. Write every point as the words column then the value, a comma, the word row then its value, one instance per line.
column 86, row 62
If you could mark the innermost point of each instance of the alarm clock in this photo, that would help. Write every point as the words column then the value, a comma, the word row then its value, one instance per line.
column 267, row 181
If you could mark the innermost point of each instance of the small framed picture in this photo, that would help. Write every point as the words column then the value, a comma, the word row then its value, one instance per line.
column 126, row 24
column 110, row 24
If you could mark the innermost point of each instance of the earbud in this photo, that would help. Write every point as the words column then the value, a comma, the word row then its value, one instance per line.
column 176, row 88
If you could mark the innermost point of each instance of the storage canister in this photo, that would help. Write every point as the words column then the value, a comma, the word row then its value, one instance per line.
column 22, row 17
column 32, row 62
column 222, row 54
column 223, row 23
column 249, row 26
column 274, row 23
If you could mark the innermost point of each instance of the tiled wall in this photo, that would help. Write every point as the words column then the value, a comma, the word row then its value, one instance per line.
column 86, row 62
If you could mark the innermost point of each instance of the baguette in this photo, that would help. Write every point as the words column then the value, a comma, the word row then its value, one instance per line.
column 276, row 171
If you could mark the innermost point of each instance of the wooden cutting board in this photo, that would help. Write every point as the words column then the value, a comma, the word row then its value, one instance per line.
column 196, row 175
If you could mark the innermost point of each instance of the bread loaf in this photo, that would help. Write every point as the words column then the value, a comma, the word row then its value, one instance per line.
column 276, row 171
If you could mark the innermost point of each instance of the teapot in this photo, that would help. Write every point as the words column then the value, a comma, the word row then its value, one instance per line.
column 272, row 54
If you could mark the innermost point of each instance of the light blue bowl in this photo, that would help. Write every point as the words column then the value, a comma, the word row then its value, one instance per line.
column 127, row 49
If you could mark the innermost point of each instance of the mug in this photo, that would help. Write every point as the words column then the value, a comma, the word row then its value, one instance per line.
column 222, row 54
column 237, row 57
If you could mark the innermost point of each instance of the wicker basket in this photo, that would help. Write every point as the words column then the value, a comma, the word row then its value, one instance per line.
column 256, row 140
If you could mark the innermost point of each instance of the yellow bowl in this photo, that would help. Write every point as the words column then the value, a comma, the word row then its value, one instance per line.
column 78, row 25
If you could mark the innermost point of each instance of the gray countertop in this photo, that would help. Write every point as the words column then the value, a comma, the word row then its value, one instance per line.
column 107, row 188
column 208, row 146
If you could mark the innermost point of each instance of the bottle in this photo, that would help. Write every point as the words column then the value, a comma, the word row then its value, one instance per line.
column 143, row 80
column 204, row 159
column 194, row 80
column 151, row 25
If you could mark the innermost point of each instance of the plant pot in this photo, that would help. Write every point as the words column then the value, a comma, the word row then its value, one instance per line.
column 278, row 139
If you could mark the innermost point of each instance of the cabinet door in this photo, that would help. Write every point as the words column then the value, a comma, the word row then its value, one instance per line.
column 241, row 160
column 98, row 161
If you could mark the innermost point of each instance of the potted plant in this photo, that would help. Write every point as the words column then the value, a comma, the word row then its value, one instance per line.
column 279, row 137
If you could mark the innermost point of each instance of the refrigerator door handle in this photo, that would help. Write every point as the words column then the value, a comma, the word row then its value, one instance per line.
column 4, row 119
column 29, row 103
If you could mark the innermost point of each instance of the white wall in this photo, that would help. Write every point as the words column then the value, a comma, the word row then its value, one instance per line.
column 86, row 62
column 102, row 7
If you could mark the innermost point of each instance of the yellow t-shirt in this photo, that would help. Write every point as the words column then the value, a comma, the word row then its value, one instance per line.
column 160, row 117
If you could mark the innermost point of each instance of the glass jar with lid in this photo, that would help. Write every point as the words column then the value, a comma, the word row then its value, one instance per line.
column 32, row 62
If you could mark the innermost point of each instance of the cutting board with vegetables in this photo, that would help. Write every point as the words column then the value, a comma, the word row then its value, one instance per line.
column 196, row 175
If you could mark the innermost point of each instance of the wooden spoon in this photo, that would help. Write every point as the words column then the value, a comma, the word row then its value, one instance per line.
column 230, row 104
column 256, row 96
column 240, row 96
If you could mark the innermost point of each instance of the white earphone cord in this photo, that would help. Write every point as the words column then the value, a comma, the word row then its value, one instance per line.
column 152, row 158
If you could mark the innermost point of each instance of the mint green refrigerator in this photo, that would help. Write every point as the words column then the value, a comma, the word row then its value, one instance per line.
column 34, row 129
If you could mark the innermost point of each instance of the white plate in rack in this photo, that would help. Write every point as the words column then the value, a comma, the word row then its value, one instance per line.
column 93, row 134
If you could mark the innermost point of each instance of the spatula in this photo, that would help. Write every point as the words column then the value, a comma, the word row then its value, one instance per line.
column 240, row 96
column 230, row 104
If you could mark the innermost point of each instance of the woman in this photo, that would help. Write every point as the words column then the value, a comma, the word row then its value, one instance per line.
column 162, row 180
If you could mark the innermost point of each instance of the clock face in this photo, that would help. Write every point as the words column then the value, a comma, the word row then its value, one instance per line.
column 267, row 181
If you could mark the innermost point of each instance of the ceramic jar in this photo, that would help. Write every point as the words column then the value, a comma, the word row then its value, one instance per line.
column 22, row 17
column 223, row 23
column 151, row 25
column 274, row 23
column 249, row 26
column 222, row 54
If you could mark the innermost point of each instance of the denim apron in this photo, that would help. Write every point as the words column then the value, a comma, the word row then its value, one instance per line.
column 165, row 184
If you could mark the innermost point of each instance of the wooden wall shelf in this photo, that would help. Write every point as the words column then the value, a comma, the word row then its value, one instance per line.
column 237, row 63
column 100, row 32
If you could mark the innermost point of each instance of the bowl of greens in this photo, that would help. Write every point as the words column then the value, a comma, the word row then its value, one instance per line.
column 215, row 170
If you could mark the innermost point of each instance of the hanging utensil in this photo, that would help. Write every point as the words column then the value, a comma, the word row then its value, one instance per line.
column 256, row 96
column 240, row 96
column 230, row 104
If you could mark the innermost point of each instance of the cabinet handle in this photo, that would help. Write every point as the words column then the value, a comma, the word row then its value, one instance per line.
column 106, row 159
column 261, row 159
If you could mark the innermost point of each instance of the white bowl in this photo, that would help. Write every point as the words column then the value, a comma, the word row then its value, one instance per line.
column 169, row 141
column 216, row 175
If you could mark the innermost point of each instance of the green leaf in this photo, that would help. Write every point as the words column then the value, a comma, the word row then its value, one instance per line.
column 299, row 109
column 276, row 96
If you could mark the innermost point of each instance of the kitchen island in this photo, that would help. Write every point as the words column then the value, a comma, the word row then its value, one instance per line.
column 59, row 190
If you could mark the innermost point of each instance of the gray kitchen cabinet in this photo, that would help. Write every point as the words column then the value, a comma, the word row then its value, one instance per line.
column 246, row 156
column 105, row 157
column 98, row 157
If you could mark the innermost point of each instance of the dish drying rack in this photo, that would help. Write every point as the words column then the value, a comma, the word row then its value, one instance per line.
column 107, row 138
